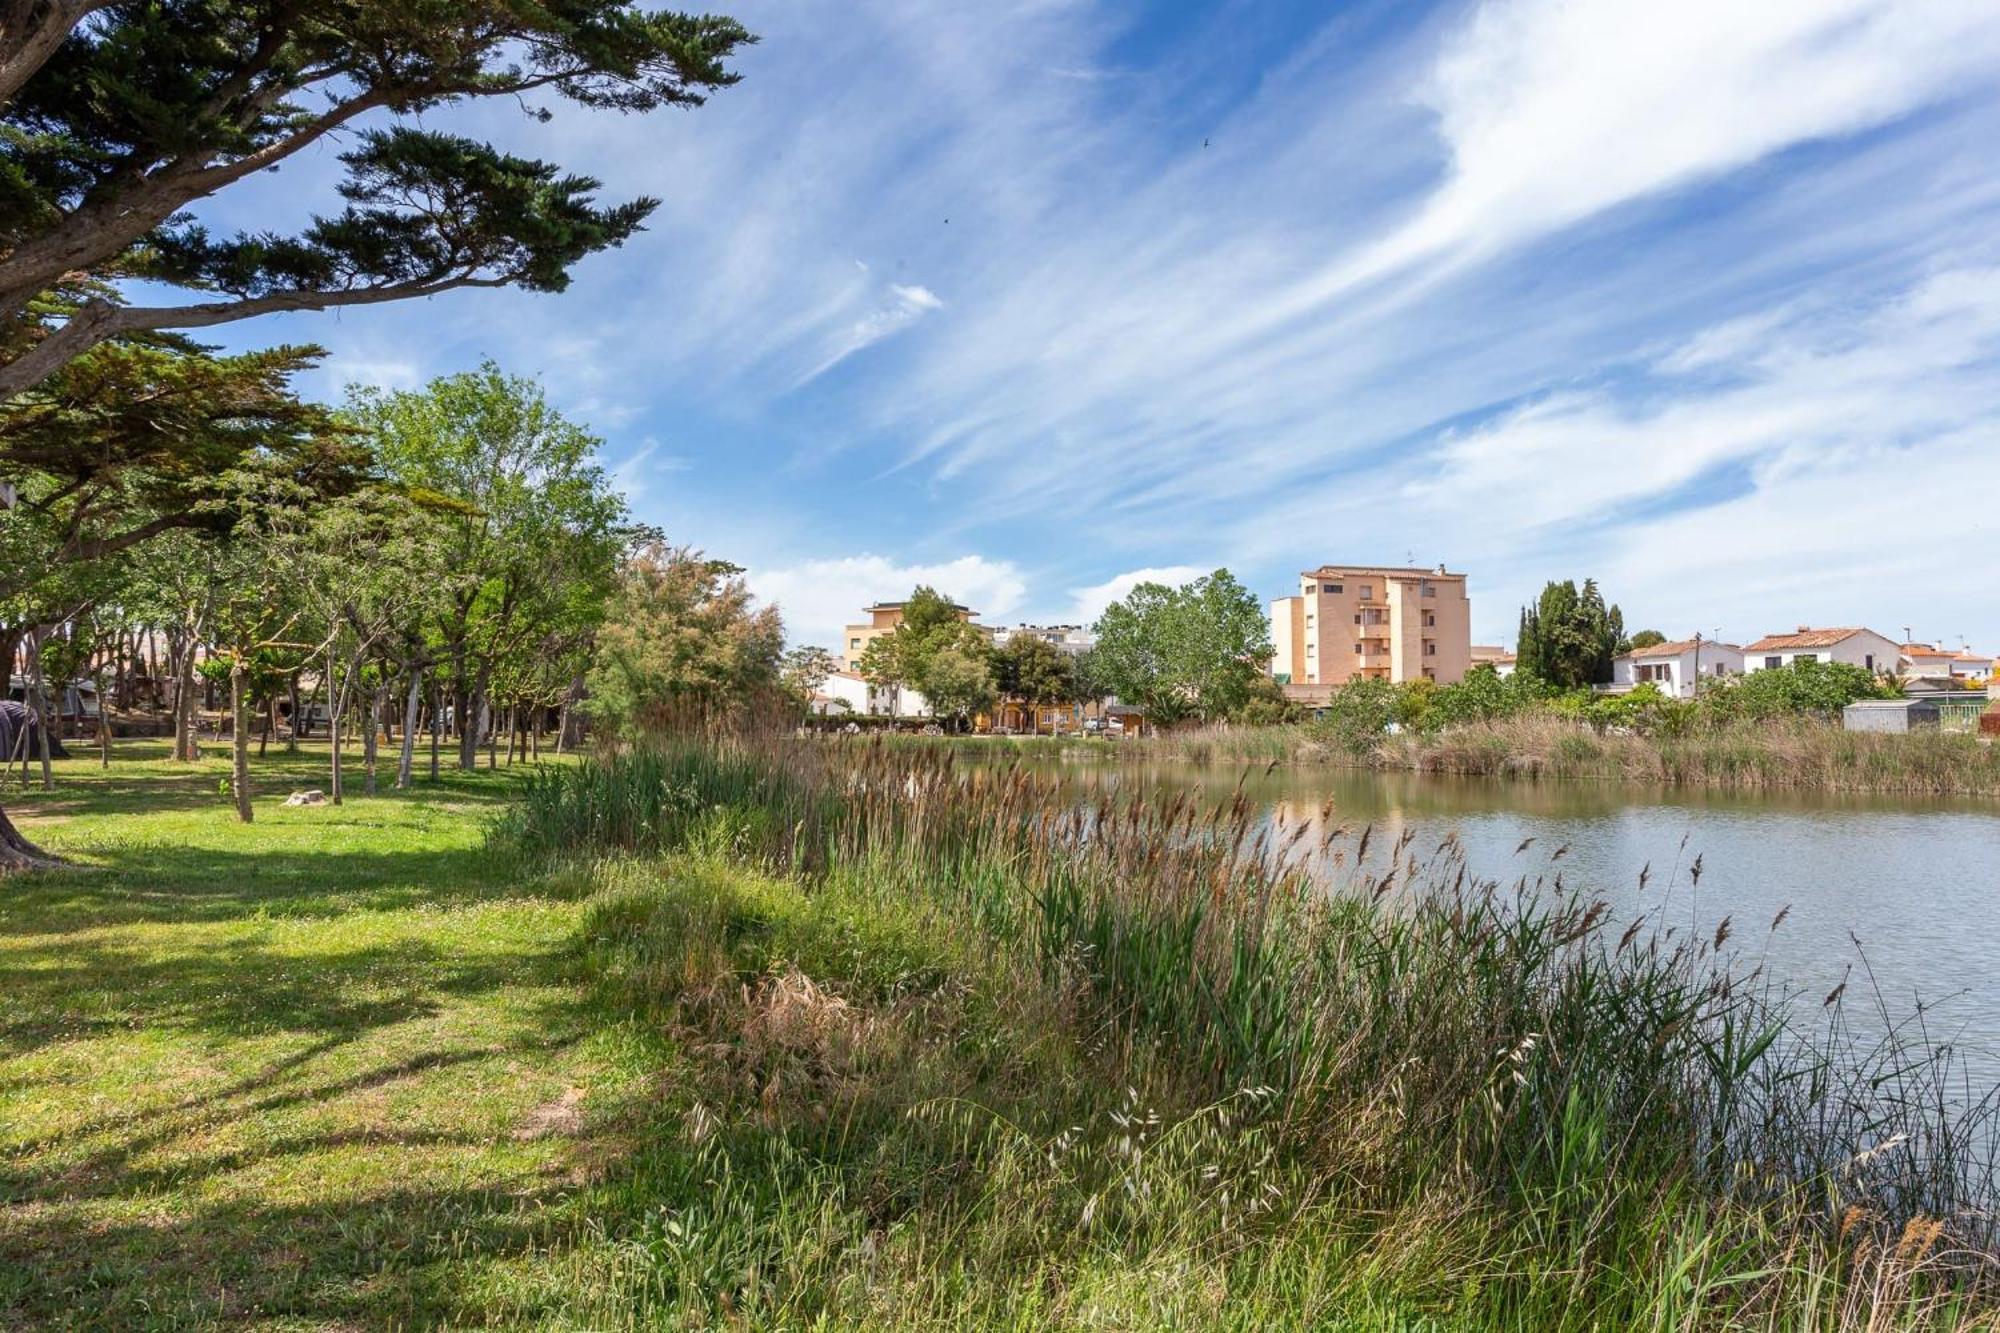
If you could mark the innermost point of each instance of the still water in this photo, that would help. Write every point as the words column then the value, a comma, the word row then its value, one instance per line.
column 1904, row 888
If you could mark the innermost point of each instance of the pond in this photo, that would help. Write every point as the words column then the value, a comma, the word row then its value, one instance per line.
column 1898, row 895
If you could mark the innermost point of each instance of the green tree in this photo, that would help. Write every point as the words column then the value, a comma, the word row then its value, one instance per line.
column 682, row 640
column 1569, row 636
column 1801, row 687
column 114, row 118
column 114, row 477
column 532, row 527
column 1035, row 672
column 907, row 656
column 1191, row 651
column 1645, row 638
column 804, row 670
column 958, row 680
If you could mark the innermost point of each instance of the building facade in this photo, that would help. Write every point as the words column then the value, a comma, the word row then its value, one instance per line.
column 1934, row 661
column 1678, row 668
column 1856, row 647
column 883, row 618
column 1372, row 622
column 1066, row 638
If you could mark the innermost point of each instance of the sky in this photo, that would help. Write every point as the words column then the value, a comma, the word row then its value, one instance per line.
column 1036, row 301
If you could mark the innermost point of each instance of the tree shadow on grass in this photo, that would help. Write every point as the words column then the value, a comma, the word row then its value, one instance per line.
column 163, row 1216
column 389, row 1260
column 157, row 882
column 65, row 990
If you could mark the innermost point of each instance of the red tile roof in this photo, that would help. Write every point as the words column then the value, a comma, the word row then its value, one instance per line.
column 1805, row 638
column 1677, row 647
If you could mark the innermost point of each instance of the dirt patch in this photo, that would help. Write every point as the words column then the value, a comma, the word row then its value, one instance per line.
column 563, row 1117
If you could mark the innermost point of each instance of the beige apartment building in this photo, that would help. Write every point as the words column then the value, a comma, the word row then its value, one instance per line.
column 1377, row 621
column 883, row 617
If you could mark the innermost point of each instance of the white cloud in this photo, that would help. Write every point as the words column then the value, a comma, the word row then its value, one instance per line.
column 817, row 597
column 900, row 307
column 1087, row 604
column 1805, row 396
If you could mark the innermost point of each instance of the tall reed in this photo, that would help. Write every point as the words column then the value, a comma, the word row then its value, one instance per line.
column 1414, row 1031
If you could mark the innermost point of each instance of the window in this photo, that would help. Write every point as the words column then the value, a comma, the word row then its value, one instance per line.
column 1773, row 663
column 1358, row 650
column 1309, row 590
column 1332, row 587
column 1357, row 617
column 1430, row 649
column 854, row 643
column 1869, row 661
column 1430, row 589
column 1367, row 593
column 1430, row 619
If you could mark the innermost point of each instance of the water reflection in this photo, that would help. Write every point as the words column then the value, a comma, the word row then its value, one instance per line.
column 1903, row 890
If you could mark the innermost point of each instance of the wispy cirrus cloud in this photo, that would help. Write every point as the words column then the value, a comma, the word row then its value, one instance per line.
column 1090, row 288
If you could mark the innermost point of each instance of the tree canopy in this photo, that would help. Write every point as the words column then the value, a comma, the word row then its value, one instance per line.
column 1191, row 651
column 115, row 117
column 1569, row 636
column 681, row 636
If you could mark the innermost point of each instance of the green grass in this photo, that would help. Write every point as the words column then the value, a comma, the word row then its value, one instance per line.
column 293, row 1069
column 755, row 1036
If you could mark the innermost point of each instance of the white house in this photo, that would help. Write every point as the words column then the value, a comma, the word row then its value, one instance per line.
column 1929, row 659
column 1677, row 667
column 1495, row 656
column 1856, row 647
column 851, row 688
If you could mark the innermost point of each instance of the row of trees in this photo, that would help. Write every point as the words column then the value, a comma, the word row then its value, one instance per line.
column 452, row 559
column 1196, row 651
column 116, row 433
column 1359, row 713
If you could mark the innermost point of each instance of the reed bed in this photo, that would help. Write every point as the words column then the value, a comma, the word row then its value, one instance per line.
column 1147, row 1067
column 1799, row 753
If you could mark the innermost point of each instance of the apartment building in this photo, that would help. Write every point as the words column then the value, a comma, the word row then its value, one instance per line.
column 883, row 617
column 1064, row 638
column 1361, row 621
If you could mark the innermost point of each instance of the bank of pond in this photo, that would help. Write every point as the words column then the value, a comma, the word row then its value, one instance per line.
column 1789, row 753
column 980, row 1042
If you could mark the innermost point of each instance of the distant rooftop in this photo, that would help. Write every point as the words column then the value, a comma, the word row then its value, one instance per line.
column 1806, row 637
column 1675, row 647
column 1393, row 571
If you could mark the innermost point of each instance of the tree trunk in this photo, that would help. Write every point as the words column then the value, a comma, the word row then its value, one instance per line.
column 42, row 719
column 368, row 748
column 239, row 740
column 334, row 702
column 103, row 722
column 437, row 728
column 10, row 643
column 17, row 853
column 411, row 704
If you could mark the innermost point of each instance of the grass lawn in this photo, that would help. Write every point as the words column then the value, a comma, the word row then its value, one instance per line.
column 316, row 1071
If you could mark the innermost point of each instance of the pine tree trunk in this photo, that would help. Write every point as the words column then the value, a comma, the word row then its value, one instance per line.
column 239, row 740
column 437, row 728
column 17, row 853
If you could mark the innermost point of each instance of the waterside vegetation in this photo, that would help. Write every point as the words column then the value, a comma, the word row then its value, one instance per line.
column 1777, row 729
column 977, row 1052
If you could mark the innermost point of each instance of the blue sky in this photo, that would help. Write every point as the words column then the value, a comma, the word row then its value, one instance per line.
column 1034, row 300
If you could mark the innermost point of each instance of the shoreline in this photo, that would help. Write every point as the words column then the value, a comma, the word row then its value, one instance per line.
column 1788, row 756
